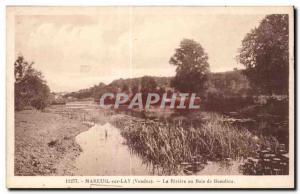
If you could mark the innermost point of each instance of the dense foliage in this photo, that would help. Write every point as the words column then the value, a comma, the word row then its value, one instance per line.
column 192, row 67
column 265, row 54
column 30, row 87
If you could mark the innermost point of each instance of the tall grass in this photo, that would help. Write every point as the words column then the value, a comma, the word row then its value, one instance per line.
column 169, row 144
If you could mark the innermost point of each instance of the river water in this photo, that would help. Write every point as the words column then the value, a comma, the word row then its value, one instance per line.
column 104, row 152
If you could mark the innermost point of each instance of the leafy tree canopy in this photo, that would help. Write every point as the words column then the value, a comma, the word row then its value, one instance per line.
column 30, row 87
column 265, row 54
column 192, row 67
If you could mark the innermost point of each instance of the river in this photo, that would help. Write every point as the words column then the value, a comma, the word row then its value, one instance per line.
column 105, row 153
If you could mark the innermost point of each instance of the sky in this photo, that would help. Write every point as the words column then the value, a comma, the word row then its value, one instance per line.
column 77, row 51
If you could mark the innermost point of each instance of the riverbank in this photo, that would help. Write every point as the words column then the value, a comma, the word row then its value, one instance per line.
column 45, row 143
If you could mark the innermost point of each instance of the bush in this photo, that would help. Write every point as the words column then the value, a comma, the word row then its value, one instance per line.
column 39, row 103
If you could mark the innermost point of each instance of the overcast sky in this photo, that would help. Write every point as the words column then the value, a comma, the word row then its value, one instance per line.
column 77, row 51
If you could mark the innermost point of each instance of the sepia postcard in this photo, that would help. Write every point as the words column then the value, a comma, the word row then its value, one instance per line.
column 150, row 97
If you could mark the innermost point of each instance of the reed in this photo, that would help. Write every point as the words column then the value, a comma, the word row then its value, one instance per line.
column 169, row 144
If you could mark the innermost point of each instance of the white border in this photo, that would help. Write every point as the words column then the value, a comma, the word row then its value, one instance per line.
column 104, row 2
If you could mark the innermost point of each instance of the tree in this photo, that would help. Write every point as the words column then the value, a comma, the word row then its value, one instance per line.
column 192, row 67
column 161, row 91
column 148, row 84
column 30, row 87
column 125, row 88
column 134, row 90
column 265, row 54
